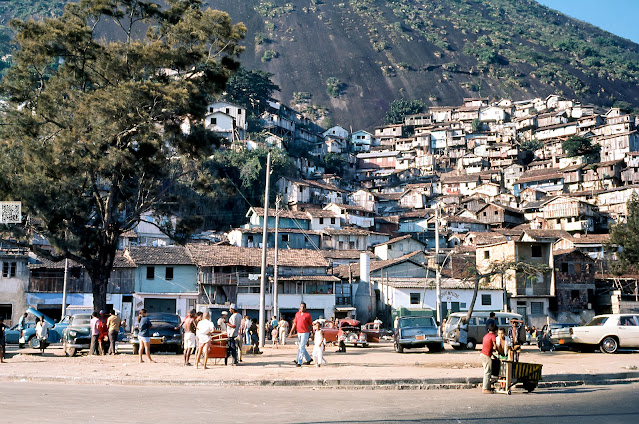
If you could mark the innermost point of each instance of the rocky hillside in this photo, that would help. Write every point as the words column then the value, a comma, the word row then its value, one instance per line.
column 353, row 57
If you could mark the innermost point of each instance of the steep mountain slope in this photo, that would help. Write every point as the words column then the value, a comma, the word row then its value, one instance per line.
column 435, row 50
column 354, row 57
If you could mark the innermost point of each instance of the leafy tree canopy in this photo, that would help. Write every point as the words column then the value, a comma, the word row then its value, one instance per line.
column 582, row 146
column 92, row 136
column 399, row 109
column 251, row 89
column 625, row 235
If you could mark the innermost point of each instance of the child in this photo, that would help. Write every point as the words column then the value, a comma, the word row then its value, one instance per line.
column 320, row 342
column 274, row 334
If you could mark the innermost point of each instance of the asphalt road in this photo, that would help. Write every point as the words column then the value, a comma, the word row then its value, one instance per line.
column 23, row 402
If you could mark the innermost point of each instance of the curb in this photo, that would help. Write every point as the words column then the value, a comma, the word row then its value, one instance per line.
column 362, row 384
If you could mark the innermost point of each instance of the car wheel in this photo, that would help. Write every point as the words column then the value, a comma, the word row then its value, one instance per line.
column 471, row 344
column 136, row 349
column 435, row 347
column 399, row 348
column 70, row 351
column 609, row 345
column 34, row 342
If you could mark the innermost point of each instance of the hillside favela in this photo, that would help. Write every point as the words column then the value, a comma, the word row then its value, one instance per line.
column 364, row 207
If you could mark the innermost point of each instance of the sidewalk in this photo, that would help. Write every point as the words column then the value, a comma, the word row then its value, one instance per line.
column 375, row 367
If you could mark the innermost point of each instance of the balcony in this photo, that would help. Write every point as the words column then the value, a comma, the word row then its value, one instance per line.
column 578, row 226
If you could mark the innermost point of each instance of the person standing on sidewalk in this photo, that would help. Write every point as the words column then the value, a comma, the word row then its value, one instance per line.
column 144, row 335
column 302, row 324
column 95, row 333
column 233, row 331
column 283, row 330
column 204, row 329
column 190, row 341
column 319, row 342
column 113, row 325
column 3, row 345
column 221, row 322
column 487, row 349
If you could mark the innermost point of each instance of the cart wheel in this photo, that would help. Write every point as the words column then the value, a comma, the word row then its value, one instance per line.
column 529, row 386
column 509, row 392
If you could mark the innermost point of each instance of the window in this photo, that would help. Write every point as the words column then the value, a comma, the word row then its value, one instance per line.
column 574, row 294
column 486, row 254
column 150, row 272
column 321, row 220
column 351, row 245
column 535, row 251
column 496, row 213
column 169, row 273
column 213, row 121
column 536, row 308
column 228, row 111
column 414, row 298
column 9, row 269
column 285, row 237
column 484, row 213
column 564, row 267
column 577, row 268
column 486, row 299
column 332, row 220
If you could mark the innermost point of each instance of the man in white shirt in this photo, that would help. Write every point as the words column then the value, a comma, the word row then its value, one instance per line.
column 221, row 322
column 233, row 330
column 204, row 329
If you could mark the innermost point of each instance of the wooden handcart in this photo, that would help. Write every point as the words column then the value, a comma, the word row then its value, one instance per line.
column 514, row 372
column 218, row 345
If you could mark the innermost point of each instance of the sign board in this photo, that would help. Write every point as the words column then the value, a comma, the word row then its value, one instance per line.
column 10, row 212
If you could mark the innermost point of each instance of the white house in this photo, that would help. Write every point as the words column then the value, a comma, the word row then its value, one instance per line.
column 361, row 141
column 227, row 119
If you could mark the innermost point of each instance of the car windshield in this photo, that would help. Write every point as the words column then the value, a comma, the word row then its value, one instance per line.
column 164, row 319
column 597, row 321
column 79, row 320
column 417, row 322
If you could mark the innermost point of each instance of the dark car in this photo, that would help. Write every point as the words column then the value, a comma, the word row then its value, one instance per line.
column 555, row 337
column 77, row 336
column 416, row 332
column 165, row 333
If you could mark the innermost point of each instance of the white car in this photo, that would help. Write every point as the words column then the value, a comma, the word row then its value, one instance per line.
column 609, row 332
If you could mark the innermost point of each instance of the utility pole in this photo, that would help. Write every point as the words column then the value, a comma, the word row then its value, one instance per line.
column 64, row 288
column 264, row 251
column 275, row 265
column 438, row 282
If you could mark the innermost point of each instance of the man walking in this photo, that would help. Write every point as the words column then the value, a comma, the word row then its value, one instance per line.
column 189, row 336
column 232, row 331
column 487, row 348
column 113, row 325
column 302, row 324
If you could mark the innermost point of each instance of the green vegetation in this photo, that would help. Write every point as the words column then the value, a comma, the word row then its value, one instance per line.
column 269, row 9
column 401, row 108
column 269, row 55
column 582, row 146
column 624, row 240
column 94, row 142
column 334, row 87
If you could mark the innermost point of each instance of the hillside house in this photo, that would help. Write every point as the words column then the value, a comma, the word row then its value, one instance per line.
column 227, row 119
column 377, row 160
column 352, row 215
column 350, row 238
column 387, row 134
column 309, row 191
column 459, row 184
column 575, row 285
column 497, row 215
column 361, row 141
column 288, row 238
column 548, row 180
column 14, row 282
column 569, row 214
column 287, row 219
column 398, row 246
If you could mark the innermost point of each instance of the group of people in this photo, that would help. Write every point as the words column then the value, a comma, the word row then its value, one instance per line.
column 105, row 327
column 499, row 345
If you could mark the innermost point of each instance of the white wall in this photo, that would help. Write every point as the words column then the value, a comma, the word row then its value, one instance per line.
column 289, row 301
column 400, row 297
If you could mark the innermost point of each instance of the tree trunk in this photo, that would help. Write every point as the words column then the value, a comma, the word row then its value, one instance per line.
column 100, row 274
column 472, row 302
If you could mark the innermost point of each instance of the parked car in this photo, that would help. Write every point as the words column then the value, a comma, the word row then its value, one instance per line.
column 12, row 335
column 348, row 332
column 77, row 336
column 555, row 336
column 55, row 329
column 610, row 332
column 476, row 327
column 374, row 332
column 416, row 332
column 165, row 333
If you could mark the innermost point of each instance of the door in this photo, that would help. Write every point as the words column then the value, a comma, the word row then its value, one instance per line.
column 444, row 310
column 127, row 314
column 628, row 331
column 454, row 307
column 159, row 305
column 521, row 310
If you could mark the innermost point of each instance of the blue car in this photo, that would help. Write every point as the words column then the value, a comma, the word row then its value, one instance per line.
column 12, row 335
column 55, row 329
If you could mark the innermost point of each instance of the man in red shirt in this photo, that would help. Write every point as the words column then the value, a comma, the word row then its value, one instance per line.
column 302, row 324
column 488, row 346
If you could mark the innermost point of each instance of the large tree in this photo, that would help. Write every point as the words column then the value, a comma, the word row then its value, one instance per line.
column 624, row 240
column 93, row 137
